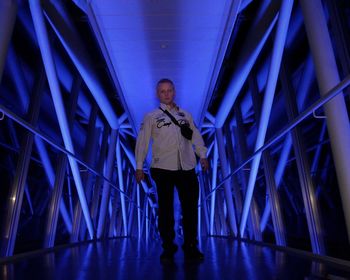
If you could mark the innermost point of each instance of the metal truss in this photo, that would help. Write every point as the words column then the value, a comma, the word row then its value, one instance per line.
column 67, row 161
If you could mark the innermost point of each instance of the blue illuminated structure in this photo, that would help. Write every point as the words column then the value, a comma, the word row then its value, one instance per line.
column 266, row 81
column 281, row 33
column 40, row 28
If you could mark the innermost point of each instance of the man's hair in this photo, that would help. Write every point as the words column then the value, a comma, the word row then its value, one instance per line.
column 165, row 80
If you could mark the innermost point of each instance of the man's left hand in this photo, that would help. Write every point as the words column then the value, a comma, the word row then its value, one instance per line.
column 204, row 164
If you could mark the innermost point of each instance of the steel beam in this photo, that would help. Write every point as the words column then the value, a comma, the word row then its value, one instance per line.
column 213, row 185
column 274, row 201
column 89, row 157
column 232, row 161
column 15, row 198
column 313, row 215
column 251, row 50
column 242, row 150
column 45, row 49
column 203, row 202
column 75, row 48
column 277, row 137
column 99, row 180
column 56, row 196
column 335, row 110
column 106, row 187
column 227, row 186
column 121, row 185
column 112, row 232
column 280, row 37
column 23, row 93
column 11, row 164
column 303, row 88
column 55, row 202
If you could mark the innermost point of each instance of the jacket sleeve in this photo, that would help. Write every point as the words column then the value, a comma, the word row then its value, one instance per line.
column 197, row 140
column 142, row 141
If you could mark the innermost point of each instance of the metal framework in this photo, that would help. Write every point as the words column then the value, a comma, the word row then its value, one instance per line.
column 66, row 144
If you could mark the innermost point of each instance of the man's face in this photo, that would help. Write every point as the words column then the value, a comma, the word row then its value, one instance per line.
column 166, row 93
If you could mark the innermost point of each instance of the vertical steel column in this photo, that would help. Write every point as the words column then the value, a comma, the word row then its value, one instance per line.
column 41, row 32
column 281, row 166
column 89, row 157
column 280, row 37
column 121, row 185
column 239, row 135
column 199, row 216
column 131, row 204
column 89, row 177
column 69, row 187
column 277, row 217
column 143, row 222
column 147, row 219
column 15, row 197
column 273, row 200
column 242, row 150
column 99, row 179
column 11, row 166
column 52, row 217
column 213, row 186
column 203, row 201
column 50, row 173
column 231, row 155
column 8, row 11
column 312, row 213
column 341, row 37
column 336, row 112
column 114, row 203
column 21, row 87
column 227, row 185
column 106, row 186
column 303, row 89
column 221, row 214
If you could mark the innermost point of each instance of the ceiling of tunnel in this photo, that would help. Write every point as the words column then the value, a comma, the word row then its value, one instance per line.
column 181, row 40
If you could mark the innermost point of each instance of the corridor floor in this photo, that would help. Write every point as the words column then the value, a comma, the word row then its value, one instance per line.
column 131, row 259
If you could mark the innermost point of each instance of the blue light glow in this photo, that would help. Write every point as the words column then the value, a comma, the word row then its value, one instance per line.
column 182, row 48
column 280, row 37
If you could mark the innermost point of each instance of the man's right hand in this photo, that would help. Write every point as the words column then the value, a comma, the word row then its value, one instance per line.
column 139, row 175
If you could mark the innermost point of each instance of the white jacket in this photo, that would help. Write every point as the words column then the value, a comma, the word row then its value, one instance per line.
column 170, row 150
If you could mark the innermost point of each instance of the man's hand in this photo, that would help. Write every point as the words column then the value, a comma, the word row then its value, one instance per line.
column 204, row 164
column 139, row 175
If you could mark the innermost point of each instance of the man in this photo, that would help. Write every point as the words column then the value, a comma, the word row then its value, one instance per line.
column 173, row 163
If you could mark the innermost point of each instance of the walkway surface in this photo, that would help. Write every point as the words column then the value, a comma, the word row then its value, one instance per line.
column 132, row 259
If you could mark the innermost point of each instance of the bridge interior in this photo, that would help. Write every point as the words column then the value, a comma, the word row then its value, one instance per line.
column 267, row 84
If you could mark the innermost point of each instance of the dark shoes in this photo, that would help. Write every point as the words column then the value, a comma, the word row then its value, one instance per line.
column 168, row 253
column 191, row 252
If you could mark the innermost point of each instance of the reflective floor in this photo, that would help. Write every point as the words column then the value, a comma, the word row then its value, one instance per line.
column 131, row 259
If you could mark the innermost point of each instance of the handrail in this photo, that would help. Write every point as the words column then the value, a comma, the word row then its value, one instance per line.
column 37, row 132
column 31, row 128
column 317, row 104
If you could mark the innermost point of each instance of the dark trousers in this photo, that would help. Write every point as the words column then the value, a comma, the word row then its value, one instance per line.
column 188, row 189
